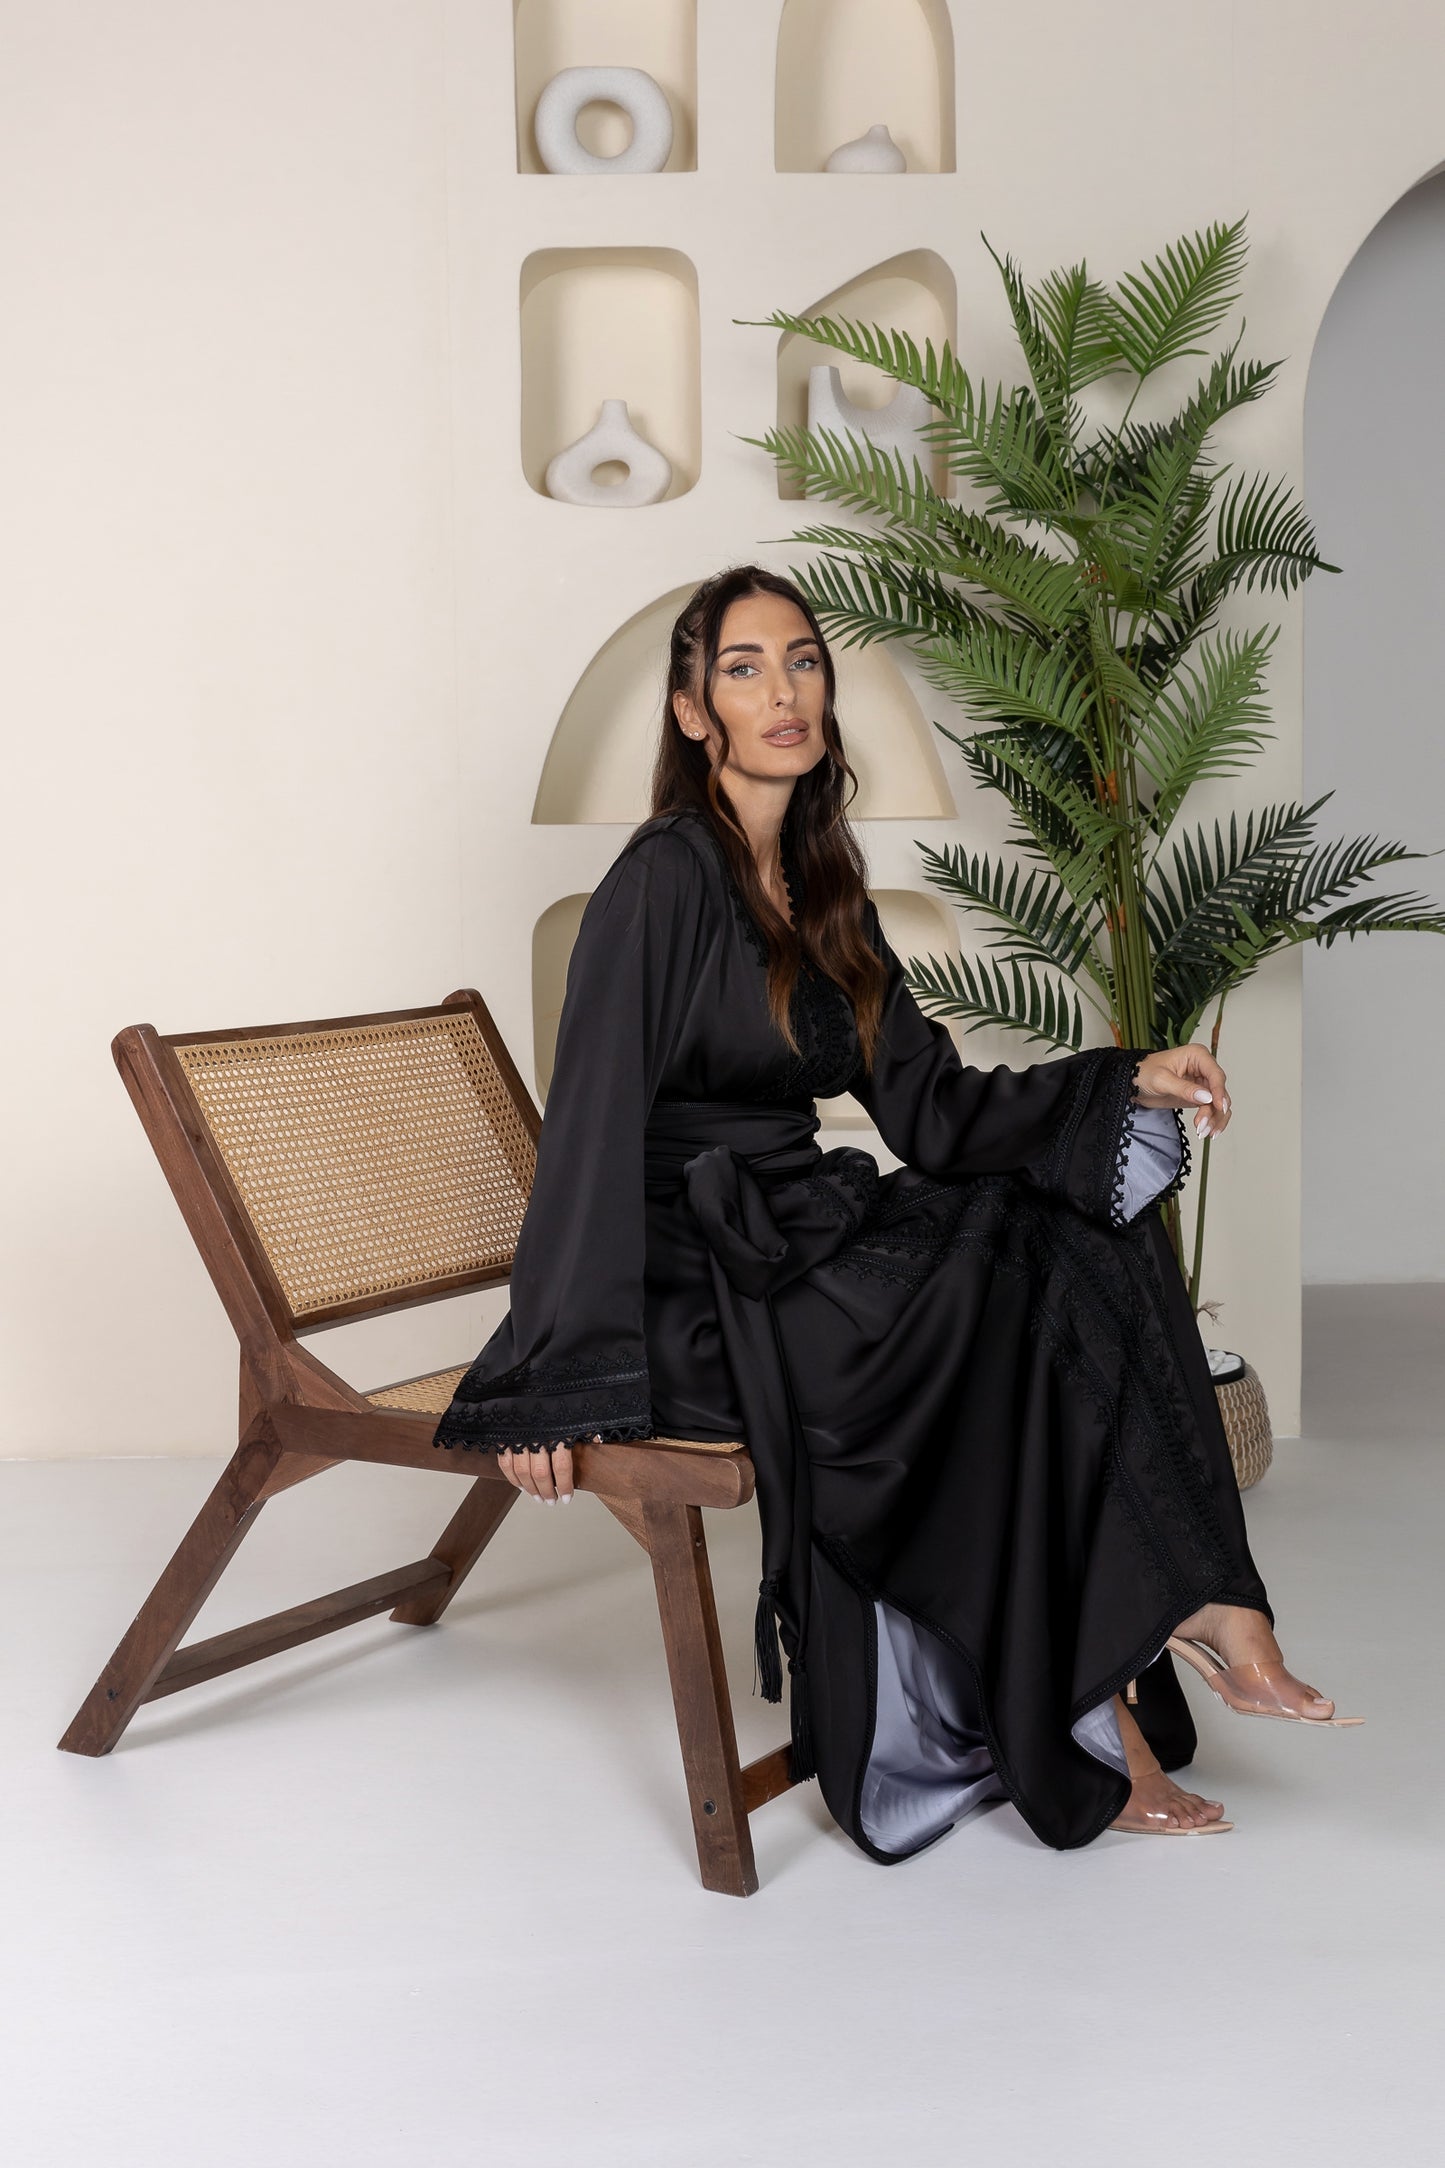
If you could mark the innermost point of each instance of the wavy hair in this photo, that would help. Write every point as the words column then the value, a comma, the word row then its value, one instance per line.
column 832, row 930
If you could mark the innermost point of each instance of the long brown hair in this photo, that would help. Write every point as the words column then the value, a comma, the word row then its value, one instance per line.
column 831, row 929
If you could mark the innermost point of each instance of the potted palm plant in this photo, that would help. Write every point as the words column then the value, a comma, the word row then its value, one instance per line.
column 1077, row 591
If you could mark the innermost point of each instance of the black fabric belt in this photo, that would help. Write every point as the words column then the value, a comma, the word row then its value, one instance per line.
column 724, row 1157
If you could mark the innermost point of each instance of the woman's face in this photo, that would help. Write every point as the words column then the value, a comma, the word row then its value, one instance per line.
column 768, row 687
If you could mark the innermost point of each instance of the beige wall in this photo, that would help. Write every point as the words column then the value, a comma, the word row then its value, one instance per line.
column 289, row 631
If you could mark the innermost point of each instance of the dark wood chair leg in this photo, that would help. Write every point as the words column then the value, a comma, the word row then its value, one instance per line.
column 205, row 1551
column 459, row 1546
column 700, row 1696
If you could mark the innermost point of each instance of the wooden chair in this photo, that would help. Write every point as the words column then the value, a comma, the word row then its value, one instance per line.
column 330, row 1170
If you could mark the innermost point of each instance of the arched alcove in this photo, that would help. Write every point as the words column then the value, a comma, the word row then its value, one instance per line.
column 552, row 940
column 844, row 65
column 599, row 763
column 659, row 36
column 1374, row 481
column 914, row 292
column 915, row 925
column 610, row 323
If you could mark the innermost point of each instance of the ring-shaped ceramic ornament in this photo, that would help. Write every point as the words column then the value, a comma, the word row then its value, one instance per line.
column 641, row 99
column 569, row 477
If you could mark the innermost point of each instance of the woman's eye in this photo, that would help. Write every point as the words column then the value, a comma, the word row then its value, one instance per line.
column 748, row 669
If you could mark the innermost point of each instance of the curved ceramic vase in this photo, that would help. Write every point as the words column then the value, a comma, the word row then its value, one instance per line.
column 897, row 426
column 569, row 476
column 643, row 101
column 875, row 152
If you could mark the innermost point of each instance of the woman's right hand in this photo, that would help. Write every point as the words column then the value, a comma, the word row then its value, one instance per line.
column 543, row 1474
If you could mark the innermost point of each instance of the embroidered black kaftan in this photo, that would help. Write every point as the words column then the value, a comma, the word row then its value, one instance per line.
column 992, row 1473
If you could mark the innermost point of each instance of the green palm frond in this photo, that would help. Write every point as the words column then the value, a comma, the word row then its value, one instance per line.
column 1074, row 310
column 1379, row 914
column 1033, row 589
column 1038, row 824
column 852, row 470
column 1333, row 869
column 1161, row 312
column 882, row 597
column 1003, row 676
column 1265, row 536
column 1191, row 912
column 893, row 353
column 1075, row 833
column 1011, row 998
column 1058, row 407
column 1040, row 921
column 1124, row 453
column 1210, row 721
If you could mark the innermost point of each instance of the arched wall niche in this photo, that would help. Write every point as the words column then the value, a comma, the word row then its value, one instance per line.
column 914, row 292
column 915, row 925
column 610, row 323
column 599, row 764
column 657, row 35
column 1373, row 491
column 844, row 65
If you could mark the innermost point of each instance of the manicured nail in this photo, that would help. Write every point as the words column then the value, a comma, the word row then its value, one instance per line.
column 1205, row 1096
column 567, row 1498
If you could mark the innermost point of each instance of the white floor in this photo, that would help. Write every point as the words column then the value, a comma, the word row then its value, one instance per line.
column 401, row 1895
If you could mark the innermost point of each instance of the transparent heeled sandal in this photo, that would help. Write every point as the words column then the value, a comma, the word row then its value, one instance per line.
column 1252, row 1689
column 1140, row 1821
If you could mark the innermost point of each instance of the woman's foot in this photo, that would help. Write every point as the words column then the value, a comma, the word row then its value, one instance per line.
column 1260, row 1683
column 1157, row 1805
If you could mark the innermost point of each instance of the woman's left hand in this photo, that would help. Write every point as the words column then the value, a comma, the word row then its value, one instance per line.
column 1187, row 1076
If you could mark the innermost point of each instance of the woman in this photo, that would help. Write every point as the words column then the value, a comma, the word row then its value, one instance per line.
column 994, row 1485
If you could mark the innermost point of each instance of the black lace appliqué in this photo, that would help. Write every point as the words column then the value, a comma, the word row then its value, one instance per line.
column 562, row 1402
column 822, row 1014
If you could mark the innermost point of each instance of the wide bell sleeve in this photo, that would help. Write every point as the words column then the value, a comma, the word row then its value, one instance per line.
column 1071, row 1126
column 569, row 1361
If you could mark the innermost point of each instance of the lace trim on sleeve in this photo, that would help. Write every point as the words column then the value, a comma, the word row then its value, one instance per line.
column 558, row 1403
column 1117, row 1214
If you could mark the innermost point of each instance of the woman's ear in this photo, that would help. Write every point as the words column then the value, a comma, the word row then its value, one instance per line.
column 686, row 715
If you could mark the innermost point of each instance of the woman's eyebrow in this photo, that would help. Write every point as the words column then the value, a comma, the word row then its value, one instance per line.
column 754, row 647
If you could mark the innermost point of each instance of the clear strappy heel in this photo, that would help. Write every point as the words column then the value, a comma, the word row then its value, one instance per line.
column 1251, row 1689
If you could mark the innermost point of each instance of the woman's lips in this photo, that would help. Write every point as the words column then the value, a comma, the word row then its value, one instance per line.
column 785, row 731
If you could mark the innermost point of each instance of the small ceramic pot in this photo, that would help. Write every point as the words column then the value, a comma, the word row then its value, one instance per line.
column 875, row 152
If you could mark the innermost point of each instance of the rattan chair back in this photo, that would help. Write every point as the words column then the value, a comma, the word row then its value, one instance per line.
column 378, row 1161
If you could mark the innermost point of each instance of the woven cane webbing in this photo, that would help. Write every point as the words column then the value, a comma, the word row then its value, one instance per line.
column 1246, row 1425
column 432, row 1396
column 422, row 1396
column 371, row 1158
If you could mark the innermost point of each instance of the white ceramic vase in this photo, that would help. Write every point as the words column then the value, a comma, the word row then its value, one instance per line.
column 875, row 152
column 612, row 437
column 643, row 101
column 897, row 426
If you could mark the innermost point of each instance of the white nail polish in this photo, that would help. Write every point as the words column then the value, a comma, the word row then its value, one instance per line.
column 566, row 1498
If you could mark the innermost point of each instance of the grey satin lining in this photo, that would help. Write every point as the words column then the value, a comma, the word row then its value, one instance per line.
column 929, row 1762
column 1150, row 1159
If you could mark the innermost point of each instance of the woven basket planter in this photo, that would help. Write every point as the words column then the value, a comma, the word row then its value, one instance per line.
column 1246, row 1425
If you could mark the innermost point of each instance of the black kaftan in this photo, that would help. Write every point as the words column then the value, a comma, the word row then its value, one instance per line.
column 992, row 1473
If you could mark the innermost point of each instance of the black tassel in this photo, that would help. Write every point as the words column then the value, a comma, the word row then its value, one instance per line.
column 765, row 1643
column 804, row 1765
